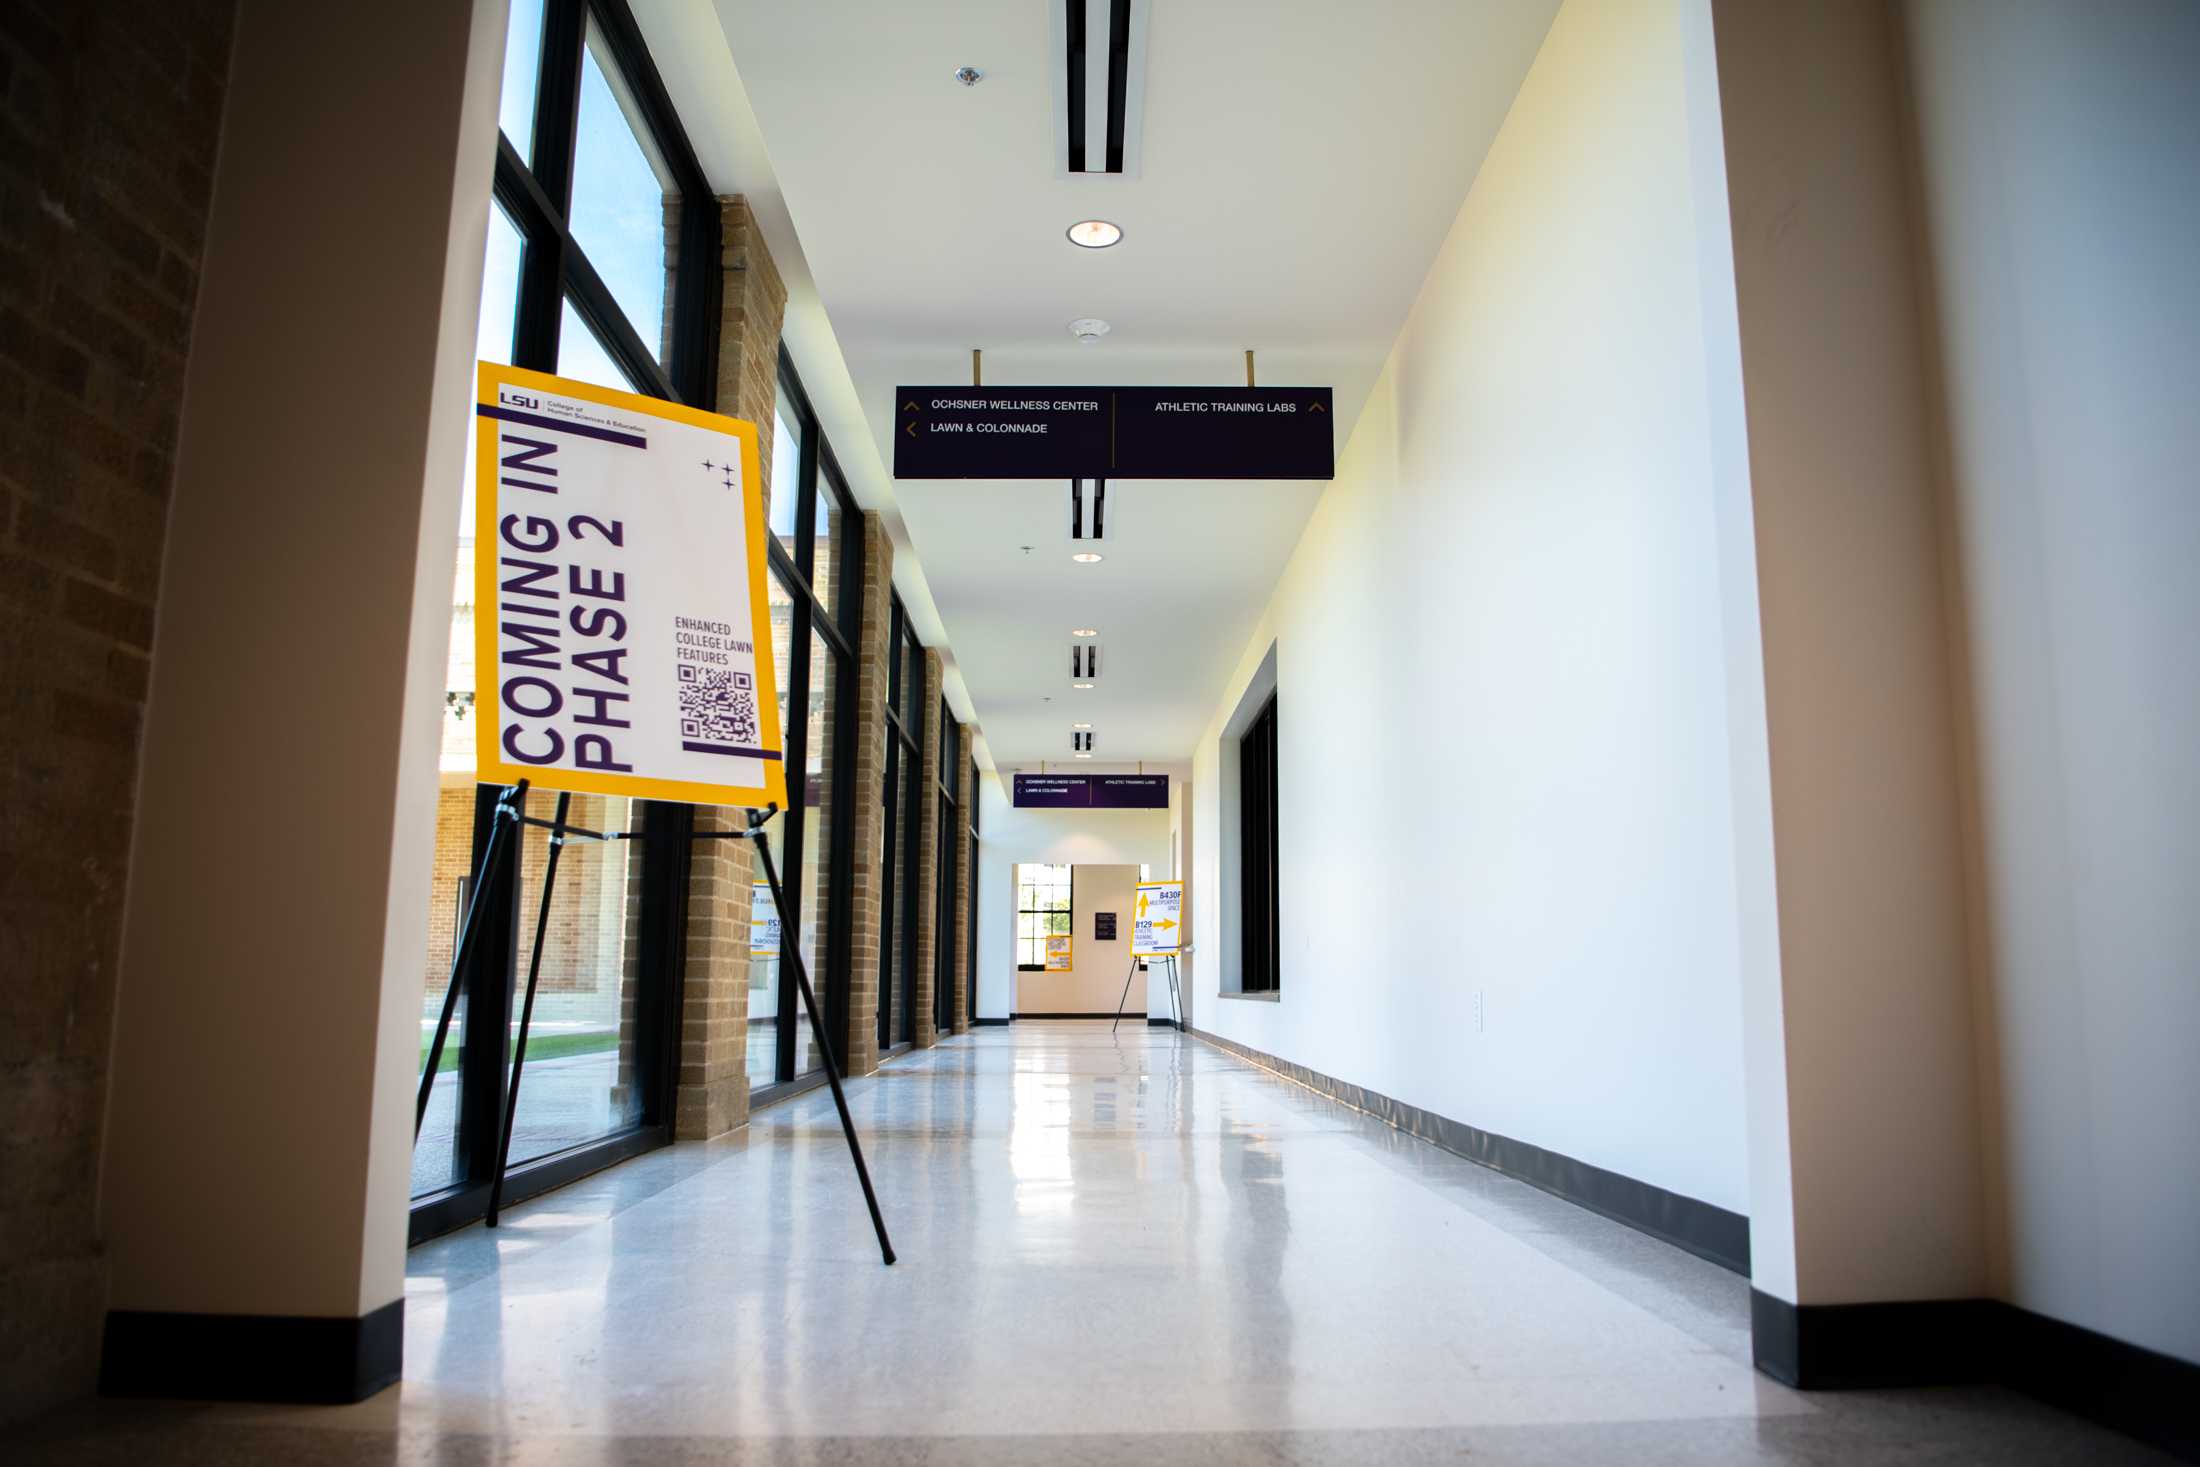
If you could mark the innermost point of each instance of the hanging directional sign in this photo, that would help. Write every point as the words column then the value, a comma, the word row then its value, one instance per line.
column 1113, row 433
column 1091, row 791
column 1157, row 919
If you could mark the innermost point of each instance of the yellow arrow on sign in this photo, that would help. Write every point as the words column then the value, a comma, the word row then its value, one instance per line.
column 1163, row 922
column 1141, row 906
column 908, row 407
column 1318, row 408
column 912, row 430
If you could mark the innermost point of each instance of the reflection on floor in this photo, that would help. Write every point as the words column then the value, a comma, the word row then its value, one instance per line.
column 1129, row 1249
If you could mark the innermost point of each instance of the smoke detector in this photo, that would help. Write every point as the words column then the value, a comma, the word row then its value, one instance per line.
column 1088, row 329
column 969, row 76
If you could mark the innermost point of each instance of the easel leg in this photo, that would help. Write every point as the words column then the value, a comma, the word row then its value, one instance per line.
column 527, row 1010
column 1125, row 996
column 1176, row 994
column 509, row 804
column 793, row 948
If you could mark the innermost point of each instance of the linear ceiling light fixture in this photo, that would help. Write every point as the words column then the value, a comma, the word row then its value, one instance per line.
column 1088, row 557
column 1077, row 508
column 1099, row 85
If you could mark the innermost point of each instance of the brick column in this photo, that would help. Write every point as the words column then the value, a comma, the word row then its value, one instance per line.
column 927, row 858
column 714, row 1014
column 966, row 785
column 864, row 911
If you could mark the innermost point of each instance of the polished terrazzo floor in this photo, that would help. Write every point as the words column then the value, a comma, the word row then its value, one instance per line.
column 1114, row 1249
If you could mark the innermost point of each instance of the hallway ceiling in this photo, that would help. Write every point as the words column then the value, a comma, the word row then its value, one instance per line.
column 1301, row 163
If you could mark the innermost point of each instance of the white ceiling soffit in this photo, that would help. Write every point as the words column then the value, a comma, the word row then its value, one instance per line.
column 696, row 64
column 1299, row 163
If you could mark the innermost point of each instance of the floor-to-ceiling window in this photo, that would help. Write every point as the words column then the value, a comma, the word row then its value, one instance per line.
column 970, row 907
column 897, row 1022
column 595, row 188
column 944, row 966
column 815, row 588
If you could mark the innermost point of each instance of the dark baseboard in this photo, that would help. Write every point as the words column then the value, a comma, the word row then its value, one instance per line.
column 1162, row 1023
column 1969, row 1341
column 252, row 1357
column 985, row 1023
column 1846, row 1346
column 1103, row 1017
column 2125, row 1387
column 1707, row 1231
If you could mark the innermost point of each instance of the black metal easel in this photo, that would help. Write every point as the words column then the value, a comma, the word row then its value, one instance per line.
column 1176, row 1007
column 511, row 811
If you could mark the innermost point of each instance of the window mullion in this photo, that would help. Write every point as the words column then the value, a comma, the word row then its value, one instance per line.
column 558, row 100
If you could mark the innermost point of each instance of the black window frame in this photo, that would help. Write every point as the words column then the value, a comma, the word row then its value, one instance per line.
column 1259, row 877
column 950, row 859
column 820, row 486
column 903, row 789
column 553, row 269
column 970, row 909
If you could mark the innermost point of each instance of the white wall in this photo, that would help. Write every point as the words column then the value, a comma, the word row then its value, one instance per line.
column 1007, row 835
column 1501, row 668
column 2059, row 149
column 1094, row 981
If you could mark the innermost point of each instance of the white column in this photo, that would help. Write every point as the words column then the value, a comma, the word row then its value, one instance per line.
column 1865, row 1183
column 267, row 1044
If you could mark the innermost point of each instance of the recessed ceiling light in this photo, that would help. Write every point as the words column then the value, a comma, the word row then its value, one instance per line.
column 1095, row 234
column 1084, row 631
column 1081, row 756
column 969, row 76
column 1086, row 557
column 1080, row 685
column 1080, row 725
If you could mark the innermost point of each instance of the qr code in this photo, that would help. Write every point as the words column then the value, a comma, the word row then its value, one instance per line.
column 717, row 705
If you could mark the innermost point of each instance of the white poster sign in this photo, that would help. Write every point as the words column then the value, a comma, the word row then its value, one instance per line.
column 1157, row 919
column 622, row 632
column 763, row 921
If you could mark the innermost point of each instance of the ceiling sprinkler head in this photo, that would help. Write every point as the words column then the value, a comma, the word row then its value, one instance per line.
column 969, row 76
column 1088, row 329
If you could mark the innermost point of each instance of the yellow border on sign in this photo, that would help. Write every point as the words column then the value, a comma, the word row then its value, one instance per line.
column 1161, row 952
column 488, row 752
column 1069, row 951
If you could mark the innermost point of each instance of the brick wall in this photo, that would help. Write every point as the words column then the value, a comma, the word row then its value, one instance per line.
column 714, row 1081
column 109, row 115
column 864, row 910
column 581, row 953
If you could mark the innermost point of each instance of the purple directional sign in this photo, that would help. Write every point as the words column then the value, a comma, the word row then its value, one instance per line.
column 1092, row 791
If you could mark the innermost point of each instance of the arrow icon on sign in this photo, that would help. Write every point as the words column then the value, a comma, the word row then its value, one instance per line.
column 912, row 429
column 1163, row 923
column 1318, row 408
column 908, row 407
column 1141, row 906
